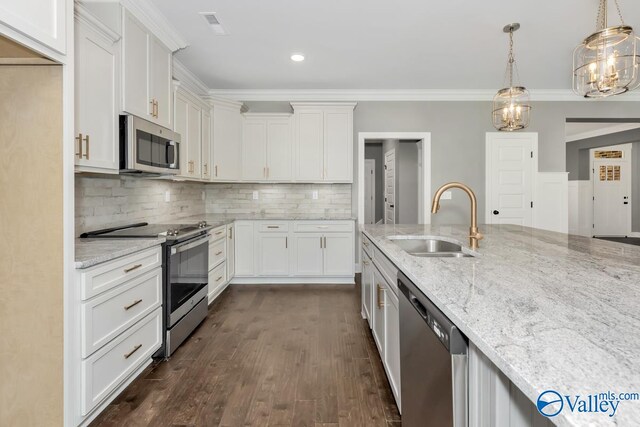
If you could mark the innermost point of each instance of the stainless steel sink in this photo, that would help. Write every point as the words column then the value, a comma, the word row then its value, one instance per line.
column 429, row 247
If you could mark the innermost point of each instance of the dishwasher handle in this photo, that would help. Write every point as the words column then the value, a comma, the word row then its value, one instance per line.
column 421, row 309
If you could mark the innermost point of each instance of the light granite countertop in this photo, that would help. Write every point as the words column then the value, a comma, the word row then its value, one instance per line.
column 551, row 311
column 90, row 252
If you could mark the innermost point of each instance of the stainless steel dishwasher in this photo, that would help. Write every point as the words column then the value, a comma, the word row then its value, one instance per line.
column 433, row 363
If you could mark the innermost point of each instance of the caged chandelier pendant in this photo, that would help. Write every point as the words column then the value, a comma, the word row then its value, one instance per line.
column 511, row 106
column 606, row 63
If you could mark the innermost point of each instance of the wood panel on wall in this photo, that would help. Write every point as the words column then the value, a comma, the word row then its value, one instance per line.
column 31, row 258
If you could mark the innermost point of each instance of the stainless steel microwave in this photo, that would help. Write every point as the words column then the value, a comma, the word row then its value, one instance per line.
column 147, row 148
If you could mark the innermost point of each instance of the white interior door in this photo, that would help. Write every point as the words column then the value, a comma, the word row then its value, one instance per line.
column 369, row 191
column 511, row 163
column 612, row 192
column 390, row 187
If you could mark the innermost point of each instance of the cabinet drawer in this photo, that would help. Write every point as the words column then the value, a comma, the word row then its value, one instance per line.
column 323, row 227
column 387, row 269
column 101, row 278
column 217, row 277
column 275, row 226
column 218, row 233
column 106, row 369
column 217, row 252
column 108, row 315
column 367, row 245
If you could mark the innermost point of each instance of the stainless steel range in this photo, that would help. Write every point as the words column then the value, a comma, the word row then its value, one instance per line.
column 185, row 274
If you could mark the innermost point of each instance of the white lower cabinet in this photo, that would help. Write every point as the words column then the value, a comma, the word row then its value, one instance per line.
column 380, row 305
column 318, row 251
column 231, row 250
column 273, row 254
column 106, row 369
column 308, row 260
column 119, row 318
column 219, row 257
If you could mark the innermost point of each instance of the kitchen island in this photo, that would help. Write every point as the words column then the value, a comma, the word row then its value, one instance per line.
column 550, row 311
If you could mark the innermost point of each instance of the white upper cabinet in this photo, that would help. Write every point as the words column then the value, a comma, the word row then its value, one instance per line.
column 206, row 144
column 160, row 60
column 146, row 88
column 96, row 91
column 267, row 147
column 41, row 20
column 227, row 141
column 309, row 144
column 324, row 141
column 192, row 120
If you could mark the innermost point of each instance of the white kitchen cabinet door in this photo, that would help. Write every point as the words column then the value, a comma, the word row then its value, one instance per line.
column 392, row 341
column 194, row 134
column 378, row 330
column 227, row 143
column 135, row 71
column 41, row 20
column 309, row 145
column 366, row 280
column 181, row 126
column 96, row 106
column 206, row 144
column 231, row 251
column 254, row 149
column 338, row 254
column 160, row 70
column 338, row 146
column 308, row 254
column 244, row 250
column 273, row 254
column 279, row 149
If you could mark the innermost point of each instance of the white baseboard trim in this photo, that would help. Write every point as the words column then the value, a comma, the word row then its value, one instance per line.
column 98, row 409
column 635, row 234
column 358, row 268
column 293, row 281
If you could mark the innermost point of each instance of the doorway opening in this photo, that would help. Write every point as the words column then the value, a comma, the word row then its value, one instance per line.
column 394, row 178
column 603, row 161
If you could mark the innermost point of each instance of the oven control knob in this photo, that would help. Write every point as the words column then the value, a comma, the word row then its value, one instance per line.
column 202, row 224
column 172, row 232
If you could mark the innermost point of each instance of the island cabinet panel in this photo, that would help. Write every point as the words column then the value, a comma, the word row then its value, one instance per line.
column 378, row 312
column 494, row 400
column 367, row 286
column 392, row 342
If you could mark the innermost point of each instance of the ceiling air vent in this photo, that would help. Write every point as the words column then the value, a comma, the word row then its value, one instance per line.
column 214, row 23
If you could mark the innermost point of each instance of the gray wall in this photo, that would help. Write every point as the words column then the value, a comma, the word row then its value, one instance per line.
column 458, row 138
column 374, row 151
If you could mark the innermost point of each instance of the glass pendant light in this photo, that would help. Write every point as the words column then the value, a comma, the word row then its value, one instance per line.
column 606, row 63
column 511, row 107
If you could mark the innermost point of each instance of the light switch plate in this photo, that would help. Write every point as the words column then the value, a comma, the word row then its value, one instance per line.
column 255, row 195
column 446, row 195
column 167, row 196
column 314, row 195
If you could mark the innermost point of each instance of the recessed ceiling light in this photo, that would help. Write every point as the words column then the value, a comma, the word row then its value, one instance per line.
column 297, row 57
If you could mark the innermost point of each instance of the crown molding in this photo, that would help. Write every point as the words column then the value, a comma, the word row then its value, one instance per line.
column 301, row 95
column 217, row 101
column 159, row 25
column 82, row 14
column 188, row 79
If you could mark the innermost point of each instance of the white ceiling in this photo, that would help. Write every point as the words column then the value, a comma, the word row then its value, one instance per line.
column 382, row 44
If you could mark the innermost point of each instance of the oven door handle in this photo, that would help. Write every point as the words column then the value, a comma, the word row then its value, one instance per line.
column 190, row 245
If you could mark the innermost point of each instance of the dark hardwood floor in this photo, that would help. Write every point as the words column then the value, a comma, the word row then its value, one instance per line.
column 267, row 356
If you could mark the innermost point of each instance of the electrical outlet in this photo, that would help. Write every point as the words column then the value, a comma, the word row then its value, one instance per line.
column 167, row 196
column 446, row 195
column 314, row 195
column 255, row 195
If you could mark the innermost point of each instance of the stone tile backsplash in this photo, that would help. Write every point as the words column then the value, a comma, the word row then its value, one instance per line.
column 107, row 201
column 333, row 199
column 104, row 201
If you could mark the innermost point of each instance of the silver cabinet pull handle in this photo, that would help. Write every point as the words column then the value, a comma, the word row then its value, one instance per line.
column 133, row 304
column 136, row 348
column 130, row 269
column 219, row 278
column 273, row 226
column 219, row 253
column 79, row 153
